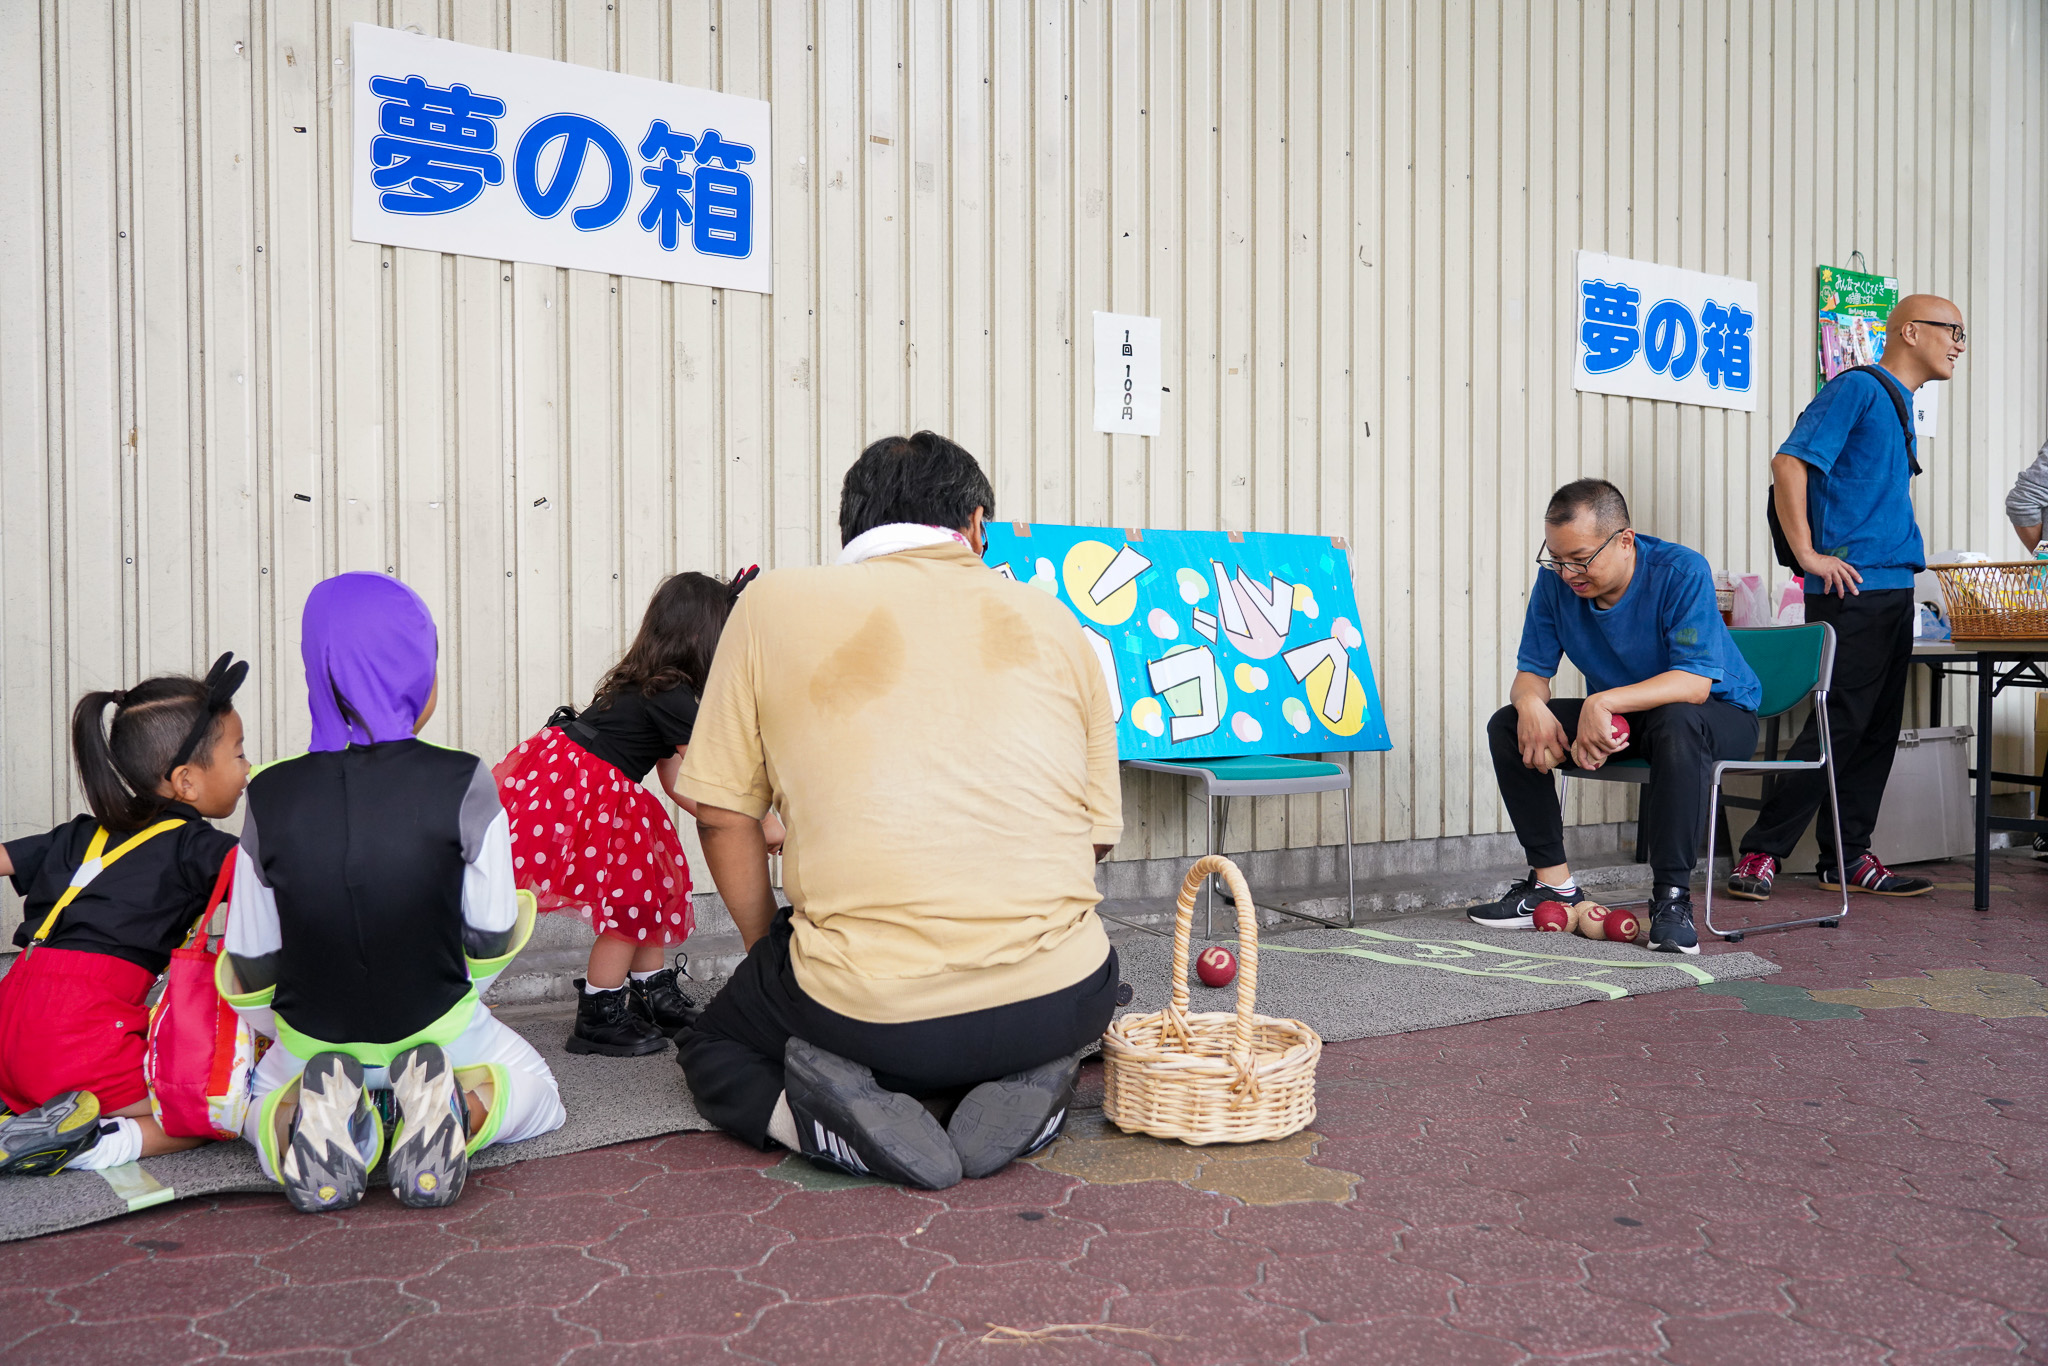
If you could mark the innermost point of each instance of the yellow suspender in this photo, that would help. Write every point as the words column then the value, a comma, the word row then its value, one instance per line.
column 97, row 865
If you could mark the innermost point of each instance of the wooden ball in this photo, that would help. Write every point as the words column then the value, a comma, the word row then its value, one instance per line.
column 1593, row 920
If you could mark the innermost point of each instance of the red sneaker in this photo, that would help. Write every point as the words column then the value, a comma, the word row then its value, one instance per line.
column 1751, row 880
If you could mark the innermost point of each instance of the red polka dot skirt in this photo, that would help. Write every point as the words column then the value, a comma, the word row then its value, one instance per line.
column 588, row 840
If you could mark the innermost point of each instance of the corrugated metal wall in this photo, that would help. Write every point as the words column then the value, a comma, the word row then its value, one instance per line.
column 1356, row 220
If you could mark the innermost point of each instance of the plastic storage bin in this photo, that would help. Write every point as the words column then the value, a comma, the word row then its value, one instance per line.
column 1927, row 804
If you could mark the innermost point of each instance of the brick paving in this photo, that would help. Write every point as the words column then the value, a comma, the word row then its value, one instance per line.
column 1809, row 1170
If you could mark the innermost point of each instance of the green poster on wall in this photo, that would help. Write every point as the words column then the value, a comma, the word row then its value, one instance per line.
column 1853, row 307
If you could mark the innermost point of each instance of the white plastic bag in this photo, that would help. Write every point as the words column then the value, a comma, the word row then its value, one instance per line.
column 1790, row 597
column 1752, row 606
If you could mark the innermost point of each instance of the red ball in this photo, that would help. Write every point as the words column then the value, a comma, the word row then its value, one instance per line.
column 1624, row 926
column 1216, row 967
column 1553, row 916
column 1620, row 731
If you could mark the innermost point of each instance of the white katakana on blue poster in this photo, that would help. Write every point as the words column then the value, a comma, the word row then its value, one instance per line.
column 485, row 153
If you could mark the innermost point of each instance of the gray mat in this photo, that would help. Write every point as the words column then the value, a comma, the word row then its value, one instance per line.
column 1424, row 972
column 1345, row 984
column 609, row 1100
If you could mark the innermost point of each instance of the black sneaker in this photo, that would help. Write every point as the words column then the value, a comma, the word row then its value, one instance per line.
column 1868, row 875
column 326, row 1159
column 1517, row 910
column 1671, row 928
column 39, row 1142
column 845, row 1119
column 660, row 1002
column 1000, row 1121
column 606, row 1025
column 429, row 1147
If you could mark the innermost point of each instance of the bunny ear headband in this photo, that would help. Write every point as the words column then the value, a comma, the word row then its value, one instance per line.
column 742, row 579
column 222, row 679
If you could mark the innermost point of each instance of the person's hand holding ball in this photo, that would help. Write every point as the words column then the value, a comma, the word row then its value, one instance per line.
column 1601, row 736
column 1540, row 737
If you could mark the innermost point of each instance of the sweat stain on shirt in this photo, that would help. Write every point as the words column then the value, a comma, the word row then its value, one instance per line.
column 868, row 666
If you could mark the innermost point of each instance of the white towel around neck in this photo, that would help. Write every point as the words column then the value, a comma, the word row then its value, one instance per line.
column 893, row 538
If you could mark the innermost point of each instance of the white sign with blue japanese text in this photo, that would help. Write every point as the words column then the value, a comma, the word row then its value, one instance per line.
column 1651, row 331
column 484, row 153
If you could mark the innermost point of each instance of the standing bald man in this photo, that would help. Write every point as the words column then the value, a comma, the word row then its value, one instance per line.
column 1842, row 486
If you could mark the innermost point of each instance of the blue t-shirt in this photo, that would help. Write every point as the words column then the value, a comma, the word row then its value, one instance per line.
column 1667, row 619
column 1859, row 484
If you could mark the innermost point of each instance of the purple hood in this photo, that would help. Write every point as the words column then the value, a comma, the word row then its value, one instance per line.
column 367, row 640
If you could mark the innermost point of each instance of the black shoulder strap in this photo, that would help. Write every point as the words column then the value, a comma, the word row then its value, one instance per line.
column 1892, row 391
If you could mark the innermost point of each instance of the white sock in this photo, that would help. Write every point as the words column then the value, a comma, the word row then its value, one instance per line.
column 591, row 988
column 1570, row 884
column 643, row 976
column 782, row 1125
column 120, row 1143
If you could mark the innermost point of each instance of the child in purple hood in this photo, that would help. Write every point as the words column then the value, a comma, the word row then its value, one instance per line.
column 373, row 902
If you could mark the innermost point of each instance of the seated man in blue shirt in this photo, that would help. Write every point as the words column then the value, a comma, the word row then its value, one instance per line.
column 1638, row 616
column 1842, row 485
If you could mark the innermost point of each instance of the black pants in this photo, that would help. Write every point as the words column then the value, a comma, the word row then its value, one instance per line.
column 1681, row 740
column 732, row 1055
column 1873, row 652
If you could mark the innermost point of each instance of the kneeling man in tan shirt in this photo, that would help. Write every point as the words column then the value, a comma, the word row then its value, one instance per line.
column 940, row 744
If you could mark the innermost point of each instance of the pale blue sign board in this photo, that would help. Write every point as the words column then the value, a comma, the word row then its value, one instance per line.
column 1213, row 644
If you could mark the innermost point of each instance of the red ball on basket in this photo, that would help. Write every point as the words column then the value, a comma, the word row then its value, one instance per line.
column 1216, row 967
column 1553, row 916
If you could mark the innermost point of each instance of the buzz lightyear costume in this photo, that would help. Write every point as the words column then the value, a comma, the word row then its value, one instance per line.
column 374, row 902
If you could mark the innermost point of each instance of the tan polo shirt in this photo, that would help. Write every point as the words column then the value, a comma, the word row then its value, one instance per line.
column 940, row 744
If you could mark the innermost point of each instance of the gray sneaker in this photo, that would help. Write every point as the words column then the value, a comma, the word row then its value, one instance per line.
column 326, row 1161
column 39, row 1142
column 429, row 1150
column 846, row 1119
column 1001, row 1121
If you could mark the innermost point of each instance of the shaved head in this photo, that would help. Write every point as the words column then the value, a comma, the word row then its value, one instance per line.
column 1923, row 339
column 1922, row 307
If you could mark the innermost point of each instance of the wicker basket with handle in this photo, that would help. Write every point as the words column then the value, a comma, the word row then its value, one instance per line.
column 1212, row 1077
column 2007, row 600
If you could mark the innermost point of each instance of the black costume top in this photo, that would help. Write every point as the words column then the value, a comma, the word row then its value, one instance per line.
column 632, row 732
column 138, row 908
column 366, row 852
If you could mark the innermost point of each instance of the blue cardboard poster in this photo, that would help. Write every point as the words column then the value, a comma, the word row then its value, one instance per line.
column 1213, row 643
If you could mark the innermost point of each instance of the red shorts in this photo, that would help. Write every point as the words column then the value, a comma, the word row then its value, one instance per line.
column 72, row 1021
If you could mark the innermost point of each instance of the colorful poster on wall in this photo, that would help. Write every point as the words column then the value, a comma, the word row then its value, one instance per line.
column 485, row 153
column 1213, row 643
column 1651, row 331
column 1853, row 307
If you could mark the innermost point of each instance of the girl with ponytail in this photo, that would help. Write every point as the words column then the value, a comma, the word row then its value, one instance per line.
column 107, row 898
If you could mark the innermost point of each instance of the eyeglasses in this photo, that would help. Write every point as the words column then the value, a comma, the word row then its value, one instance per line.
column 1575, row 566
column 1954, row 329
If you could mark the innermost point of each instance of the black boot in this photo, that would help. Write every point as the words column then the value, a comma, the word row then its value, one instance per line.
column 606, row 1024
column 661, row 1003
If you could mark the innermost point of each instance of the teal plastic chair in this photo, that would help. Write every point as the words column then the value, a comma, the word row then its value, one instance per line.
column 1262, row 775
column 1794, row 663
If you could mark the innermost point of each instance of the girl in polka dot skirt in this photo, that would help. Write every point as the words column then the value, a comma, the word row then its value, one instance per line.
column 590, row 839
